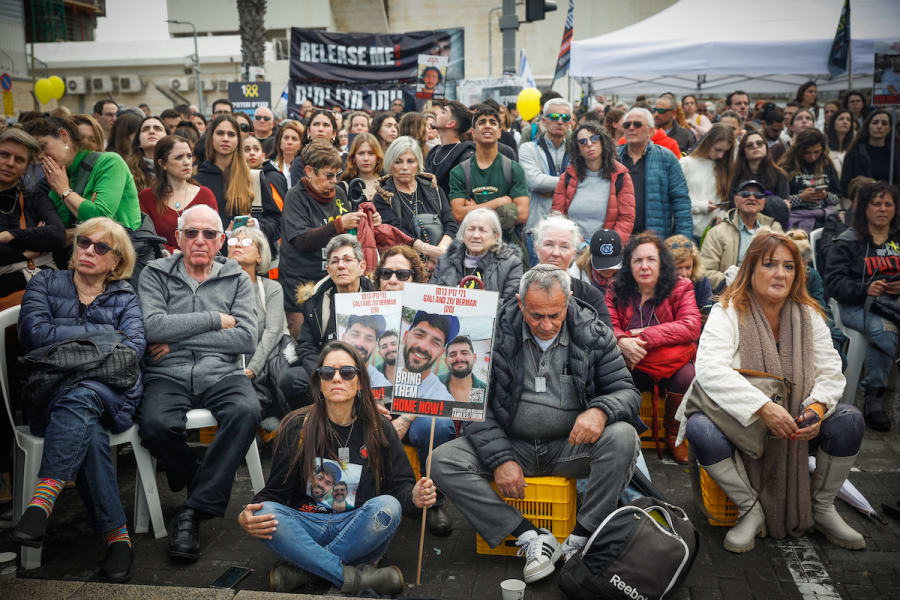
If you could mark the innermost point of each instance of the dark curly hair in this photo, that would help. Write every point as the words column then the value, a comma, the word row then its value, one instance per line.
column 607, row 161
column 626, row 288
column 867, row 194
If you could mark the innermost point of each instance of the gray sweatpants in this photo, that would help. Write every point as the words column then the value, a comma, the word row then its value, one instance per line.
column 608, row 464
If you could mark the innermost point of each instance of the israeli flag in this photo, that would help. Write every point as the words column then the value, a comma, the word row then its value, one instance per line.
column 524, row 71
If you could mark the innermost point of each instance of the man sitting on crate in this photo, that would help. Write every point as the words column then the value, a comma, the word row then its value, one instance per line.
column 561, row 402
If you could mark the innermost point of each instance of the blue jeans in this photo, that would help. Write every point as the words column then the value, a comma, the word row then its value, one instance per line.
column 322, row 543
column 841, row 434
column 76, row 447
column 419, row 434
column 881, row 349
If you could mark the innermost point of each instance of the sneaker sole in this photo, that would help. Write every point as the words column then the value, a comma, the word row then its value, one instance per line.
column 183, row 555
column 547, row 570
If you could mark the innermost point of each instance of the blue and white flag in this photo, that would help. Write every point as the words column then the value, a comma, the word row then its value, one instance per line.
column 525, row 69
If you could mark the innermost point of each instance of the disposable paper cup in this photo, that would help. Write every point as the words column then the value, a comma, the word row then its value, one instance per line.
column 512, row 589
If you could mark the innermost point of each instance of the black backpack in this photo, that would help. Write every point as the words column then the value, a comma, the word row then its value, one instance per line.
column 614, row 563
column 147, row 246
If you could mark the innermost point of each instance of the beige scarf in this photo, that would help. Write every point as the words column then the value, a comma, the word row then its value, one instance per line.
column 785, row 494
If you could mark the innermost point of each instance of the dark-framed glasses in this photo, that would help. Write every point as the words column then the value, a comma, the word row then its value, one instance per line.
column 402, row 274
column 84, row 242
column 347, row 373
column 591, row 139
column 757, row 195
column 632, row 125
column 208, row 234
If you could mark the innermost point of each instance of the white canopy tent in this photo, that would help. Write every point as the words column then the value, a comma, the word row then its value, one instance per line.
column 717, row 46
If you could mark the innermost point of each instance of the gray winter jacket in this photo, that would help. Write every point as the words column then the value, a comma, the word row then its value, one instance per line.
column 201, row 353
column 501, row 270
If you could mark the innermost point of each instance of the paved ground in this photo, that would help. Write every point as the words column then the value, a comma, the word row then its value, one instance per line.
column 808, row 568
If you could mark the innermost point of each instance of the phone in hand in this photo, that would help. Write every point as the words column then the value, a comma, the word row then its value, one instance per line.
column 808, row 418
column 231, row 577
column 240, row 221
column 821, row 187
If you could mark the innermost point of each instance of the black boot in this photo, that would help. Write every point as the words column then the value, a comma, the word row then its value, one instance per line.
column 184, row 534
column 439, row 521
column 30, row 529
column 875, row 416
column 285, row 577
column 118, row 561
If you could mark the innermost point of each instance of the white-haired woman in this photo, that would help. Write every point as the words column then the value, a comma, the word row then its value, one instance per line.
column 479, row 251
column 410, row 200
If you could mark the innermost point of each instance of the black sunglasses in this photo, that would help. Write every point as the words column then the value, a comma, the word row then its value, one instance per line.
column 245, row 128
column 208, row 234
column 592, row 139
column 84, row 242
column 757, row 195
column 632, row 124
column 402, row 274
column 262, row 118
column 347, row 373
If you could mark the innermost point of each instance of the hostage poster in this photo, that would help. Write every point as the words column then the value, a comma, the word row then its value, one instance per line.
column 444, row 359
column 370, row 322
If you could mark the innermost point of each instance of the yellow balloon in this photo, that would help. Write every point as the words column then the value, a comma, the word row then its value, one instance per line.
column 43, row 90
column 529, row 103
column 59, row 86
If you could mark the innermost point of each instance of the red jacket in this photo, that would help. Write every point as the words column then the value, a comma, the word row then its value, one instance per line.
column 373, row 238
column 678, row 316
column 619, row 211
column 661, row 139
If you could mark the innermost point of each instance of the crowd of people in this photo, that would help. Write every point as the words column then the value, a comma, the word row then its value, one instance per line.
column 656, row 247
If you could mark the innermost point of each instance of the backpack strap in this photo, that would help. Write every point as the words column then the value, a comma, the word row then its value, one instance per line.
column 619, row 181
column 84, row 172
column 506, row 163
column 467, row 171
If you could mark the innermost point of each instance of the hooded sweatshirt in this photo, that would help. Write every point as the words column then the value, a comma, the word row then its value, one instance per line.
column 855, row 261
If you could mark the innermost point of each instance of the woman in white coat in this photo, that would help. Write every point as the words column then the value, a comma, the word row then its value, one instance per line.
column 707, row 170
column 766, row 321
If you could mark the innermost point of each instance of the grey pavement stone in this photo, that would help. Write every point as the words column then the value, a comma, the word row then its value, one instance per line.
column 109, row 591
column 35, row 589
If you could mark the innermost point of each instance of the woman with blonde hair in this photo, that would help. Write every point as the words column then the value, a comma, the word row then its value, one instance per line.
column 365, row 161
column 76, row 418
column 707, row 170
column 687, row 265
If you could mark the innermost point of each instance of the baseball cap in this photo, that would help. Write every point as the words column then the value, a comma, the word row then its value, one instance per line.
column 606, row 250
column 748, row 183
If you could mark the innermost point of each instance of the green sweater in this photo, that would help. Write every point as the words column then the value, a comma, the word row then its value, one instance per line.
column 109, row 192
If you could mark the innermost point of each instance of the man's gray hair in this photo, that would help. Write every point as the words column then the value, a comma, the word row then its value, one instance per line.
column 482, row 213
column 182, row 218
column 345, row 240
column 556, row 221
column 544, row 277
column 640, row 111
column 554, row 102
column 398, row 148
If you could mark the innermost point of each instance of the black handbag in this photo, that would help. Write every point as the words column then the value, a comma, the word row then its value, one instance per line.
column 99, row 356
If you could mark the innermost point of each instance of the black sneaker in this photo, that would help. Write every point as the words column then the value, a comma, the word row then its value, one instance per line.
column 30, row 529
column 184, row 534
column 118, row 561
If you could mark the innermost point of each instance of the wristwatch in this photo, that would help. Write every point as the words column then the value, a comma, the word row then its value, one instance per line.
column 66, row 193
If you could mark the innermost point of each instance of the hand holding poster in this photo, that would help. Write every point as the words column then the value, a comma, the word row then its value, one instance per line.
column 432, row 75
column 369, row 321
column 446, row 338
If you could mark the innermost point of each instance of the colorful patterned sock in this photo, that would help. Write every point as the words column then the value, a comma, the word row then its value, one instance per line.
column 45, row 493
column 118, row 535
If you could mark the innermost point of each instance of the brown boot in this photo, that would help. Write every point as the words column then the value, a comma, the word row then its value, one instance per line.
column 680, row 452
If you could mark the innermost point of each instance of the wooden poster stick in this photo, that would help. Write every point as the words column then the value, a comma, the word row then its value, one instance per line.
column 425, row 508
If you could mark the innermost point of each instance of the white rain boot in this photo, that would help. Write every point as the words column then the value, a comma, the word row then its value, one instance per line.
column 827, row 479
column 729, row 474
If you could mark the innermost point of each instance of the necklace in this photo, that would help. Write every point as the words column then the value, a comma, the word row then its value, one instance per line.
column 178, row 208
column 16, row 191
column 449, row 147
column 344, row 449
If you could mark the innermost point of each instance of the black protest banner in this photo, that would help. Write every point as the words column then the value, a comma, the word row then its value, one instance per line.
column 372, row 97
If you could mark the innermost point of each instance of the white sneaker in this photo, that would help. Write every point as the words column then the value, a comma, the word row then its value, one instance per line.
column 541, row 551
column 573, row 545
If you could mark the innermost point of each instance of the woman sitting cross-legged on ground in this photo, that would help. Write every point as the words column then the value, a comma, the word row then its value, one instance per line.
column 766, row 321
column 90, row 296
column 316, row 525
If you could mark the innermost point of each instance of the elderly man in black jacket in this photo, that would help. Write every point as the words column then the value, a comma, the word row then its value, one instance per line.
column 562, row 403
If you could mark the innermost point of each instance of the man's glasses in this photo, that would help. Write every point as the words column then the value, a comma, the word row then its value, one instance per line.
column 246, row 128
column 262, row 118
column 245, row 242
column 661, row 111
column 84, row 242
column 347, row 373
column 331, row 176
column 591, row 139
column 208, row 234
column 402, row 274
column 757, row 195
column 559, row 117
column 632, row 125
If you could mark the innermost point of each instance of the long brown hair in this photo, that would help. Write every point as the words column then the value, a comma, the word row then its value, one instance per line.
column 420, row 274
column 763, row 246
column 768, row 171
column 723, row 167
column 352, row 171
column 238, row 187
column 160, row 184
column 297, row 128
column 793, row 161
column 415, row 126
column 316, row 431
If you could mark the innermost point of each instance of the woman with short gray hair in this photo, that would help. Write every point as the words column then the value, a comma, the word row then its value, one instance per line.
column 480, row 252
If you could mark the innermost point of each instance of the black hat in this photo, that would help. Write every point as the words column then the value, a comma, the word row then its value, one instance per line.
column 606, row 250
column 748, row 183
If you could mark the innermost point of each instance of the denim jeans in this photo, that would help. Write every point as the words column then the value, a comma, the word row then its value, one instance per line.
column 841, row 434
column 881, row 349
column 322, row 543
column 76, row 447
column 418, row 435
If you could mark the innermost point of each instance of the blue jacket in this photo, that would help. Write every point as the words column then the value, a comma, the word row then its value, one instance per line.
column 50, row 314
column 667, row 202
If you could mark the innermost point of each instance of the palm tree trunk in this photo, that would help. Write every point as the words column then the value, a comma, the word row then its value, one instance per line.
column 251, row 19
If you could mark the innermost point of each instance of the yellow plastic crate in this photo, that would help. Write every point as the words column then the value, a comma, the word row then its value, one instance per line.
column 206, row 434
column 647, row 418
column 716, row 502
column 549, row 503
column 412, row 453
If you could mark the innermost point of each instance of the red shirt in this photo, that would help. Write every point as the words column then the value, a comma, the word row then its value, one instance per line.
column 167, row 222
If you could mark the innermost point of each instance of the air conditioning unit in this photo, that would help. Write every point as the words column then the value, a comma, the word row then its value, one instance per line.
column 130, row 84
column 209, row 85
column 101, row 84
column 180, row 84
column 76, row 85
column 223, row 85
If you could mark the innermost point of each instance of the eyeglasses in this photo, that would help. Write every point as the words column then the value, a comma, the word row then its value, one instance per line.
column 757, row 195
column 262, row 118
column 591, row 139
column 347, row 373
column 208, row 234
column 84, row 242
column 331, row 176
column 402, row 274
column 246, row 128
column 559, row 117
column 662, row 111
column 632, row 125
column 753, row 145
column 347, row 260
column 245, row 242
column 685, row 245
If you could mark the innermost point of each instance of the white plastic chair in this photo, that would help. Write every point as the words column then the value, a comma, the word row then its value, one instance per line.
column 30, row 450
column 814, row 236
column 856, row 353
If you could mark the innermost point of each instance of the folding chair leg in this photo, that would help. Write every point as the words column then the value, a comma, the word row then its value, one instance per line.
column 147, row 495
column 27, row 467
column 254, row 466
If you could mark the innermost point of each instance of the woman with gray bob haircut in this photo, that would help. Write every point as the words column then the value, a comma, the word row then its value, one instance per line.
column 479, row 251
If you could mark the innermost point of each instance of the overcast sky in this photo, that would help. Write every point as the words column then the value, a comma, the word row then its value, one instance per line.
column 133, row 20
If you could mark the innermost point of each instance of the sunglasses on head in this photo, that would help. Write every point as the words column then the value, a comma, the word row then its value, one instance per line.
column 757, row 195
column 245, row 242
column 347, row 373
column 402, row 274
column 685, row 245
column 559, row 117
column 245, row 128
column 591, row 139
column 632, row 125
column 208, row 234
column 84, row 242
column 262, row 118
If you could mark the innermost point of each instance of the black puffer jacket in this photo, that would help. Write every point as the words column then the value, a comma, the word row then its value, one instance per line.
column 501, row 270
column 597, row 367
column 854, row 262
column 275, row 178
